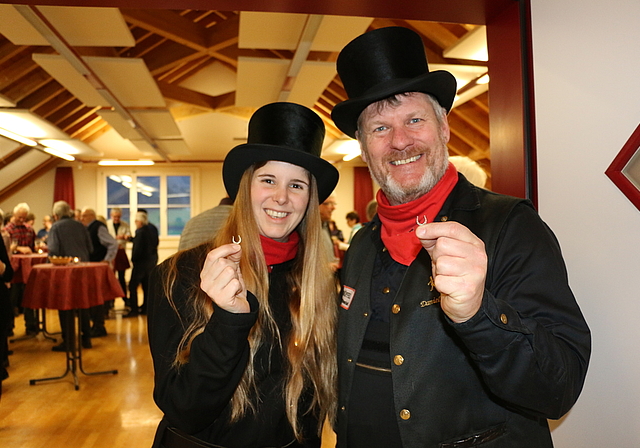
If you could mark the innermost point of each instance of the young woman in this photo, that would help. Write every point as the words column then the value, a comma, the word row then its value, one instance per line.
column 241, row 329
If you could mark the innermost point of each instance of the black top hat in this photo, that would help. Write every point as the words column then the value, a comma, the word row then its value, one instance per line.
column 285, row 132
column 382, row 63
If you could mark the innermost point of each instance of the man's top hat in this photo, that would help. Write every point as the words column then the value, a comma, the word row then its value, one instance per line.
column 383, row 63
column 284, row 132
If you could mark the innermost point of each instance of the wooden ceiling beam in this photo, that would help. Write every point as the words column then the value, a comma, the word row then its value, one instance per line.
column 194, row 98
column 170, row 25
column 29, row 177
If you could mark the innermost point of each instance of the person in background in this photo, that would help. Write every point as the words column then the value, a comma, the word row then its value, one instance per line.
column 69, row 238
column 22, row 239
column 353, row 221
column 6, row 309
column 241, row 328
column 120, row 230
column 372, row 209
column 144, row 256
column 326, row 210
column 44, row 232
column 204, row 226
column 457, row 325
column 105, row 247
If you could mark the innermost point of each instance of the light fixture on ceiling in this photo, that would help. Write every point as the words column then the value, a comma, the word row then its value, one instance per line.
column 348, row 148
column 126, row 162
column 472, row 46
column 57, row 153
column 17, row 138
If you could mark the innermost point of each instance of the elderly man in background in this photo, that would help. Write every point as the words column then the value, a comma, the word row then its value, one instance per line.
column 120, row 230
column 203, row 227
column 144, row 256
column 69, row 238
column 22, row 239
column 105, row 247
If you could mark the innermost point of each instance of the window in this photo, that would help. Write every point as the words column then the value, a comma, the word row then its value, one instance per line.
column 166, row 198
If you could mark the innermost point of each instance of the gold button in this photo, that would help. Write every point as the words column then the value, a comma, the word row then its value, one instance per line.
column 385, row 290
column 398, row 360
column 384, row 249
column 405, row 414
column 349, row 360
column 395, row 309
column 343, row 408
column 503, row 319
column 444, row 218
column 366, row 314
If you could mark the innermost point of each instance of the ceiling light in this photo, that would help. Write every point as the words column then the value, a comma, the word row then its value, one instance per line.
column 351, row 156
column 483, row 79
column 126, row 162
column 59, row 145
column 18, row 138
column 62, row 155
column 473, row 46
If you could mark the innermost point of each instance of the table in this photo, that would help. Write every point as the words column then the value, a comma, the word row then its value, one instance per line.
column 22, row 265
column 72, row 287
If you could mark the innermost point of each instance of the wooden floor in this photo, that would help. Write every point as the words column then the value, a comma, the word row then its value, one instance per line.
column 107, row 411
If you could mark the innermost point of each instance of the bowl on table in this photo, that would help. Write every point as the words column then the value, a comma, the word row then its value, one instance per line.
column 60, row 261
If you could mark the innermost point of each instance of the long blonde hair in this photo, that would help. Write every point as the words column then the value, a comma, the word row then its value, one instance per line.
column 310, row 350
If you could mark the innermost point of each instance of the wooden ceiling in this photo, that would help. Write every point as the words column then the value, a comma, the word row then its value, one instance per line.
column 176, row 45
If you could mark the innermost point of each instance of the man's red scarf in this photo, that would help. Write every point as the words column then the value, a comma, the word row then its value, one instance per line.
column 399, row 221
column 276, row 252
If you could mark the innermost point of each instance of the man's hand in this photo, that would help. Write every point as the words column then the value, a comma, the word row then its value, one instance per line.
column 222, row 280
column 459, row 265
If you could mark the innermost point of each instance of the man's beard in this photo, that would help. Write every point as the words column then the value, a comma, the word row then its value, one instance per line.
column 396, row 192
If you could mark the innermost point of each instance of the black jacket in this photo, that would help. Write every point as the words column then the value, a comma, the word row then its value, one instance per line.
column 195, row 398
column 520, row 360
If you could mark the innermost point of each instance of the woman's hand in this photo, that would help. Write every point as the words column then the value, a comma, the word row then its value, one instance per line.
column 222, row 280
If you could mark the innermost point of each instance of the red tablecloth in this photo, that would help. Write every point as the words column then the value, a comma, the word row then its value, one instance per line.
column 22, row 263
column 74, row 286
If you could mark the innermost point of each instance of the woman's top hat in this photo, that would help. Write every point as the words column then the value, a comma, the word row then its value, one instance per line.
column 284, row 132
column 383, row 63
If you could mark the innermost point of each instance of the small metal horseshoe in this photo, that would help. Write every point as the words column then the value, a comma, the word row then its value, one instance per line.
column 421, row 223
column 233, row 239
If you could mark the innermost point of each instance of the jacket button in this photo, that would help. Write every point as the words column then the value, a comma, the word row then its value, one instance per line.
column 343, row 408
column 398, row 360
column 365, row 314
column 405, row 414
column 385, row 290
column 395, row 309
column 444, row 219
column 349, row 360
column 504, row 319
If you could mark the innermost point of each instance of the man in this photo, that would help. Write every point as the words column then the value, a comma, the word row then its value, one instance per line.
column 144, row 256
column 44, row 232
column 22, row 239
column 120, row 230
column 457, row 325
column 69, row 238
column 326, row 211
column 203, row 227
column 105, row 247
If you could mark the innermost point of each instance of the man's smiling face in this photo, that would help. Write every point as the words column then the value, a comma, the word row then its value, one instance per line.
column 405, row 146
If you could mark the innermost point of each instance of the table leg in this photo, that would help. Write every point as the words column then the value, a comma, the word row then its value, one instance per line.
column 41, row 327
column 74, row 352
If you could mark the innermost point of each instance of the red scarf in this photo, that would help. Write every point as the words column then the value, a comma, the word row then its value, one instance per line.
column 276, row 252
column 399, row 221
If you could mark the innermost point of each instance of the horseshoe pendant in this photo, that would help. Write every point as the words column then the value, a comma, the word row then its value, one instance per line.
column 421, row 223
column 233, row 239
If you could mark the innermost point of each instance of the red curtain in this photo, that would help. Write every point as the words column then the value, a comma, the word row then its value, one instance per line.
column 63, row 188
column 362, row 191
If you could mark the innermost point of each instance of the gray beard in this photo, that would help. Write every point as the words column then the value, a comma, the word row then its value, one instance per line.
column 399, row 194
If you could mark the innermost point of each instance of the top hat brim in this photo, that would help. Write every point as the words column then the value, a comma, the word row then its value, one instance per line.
column 243, row 156
column 440, row 84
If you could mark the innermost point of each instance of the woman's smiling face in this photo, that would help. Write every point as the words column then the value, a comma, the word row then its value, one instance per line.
column 279, row 198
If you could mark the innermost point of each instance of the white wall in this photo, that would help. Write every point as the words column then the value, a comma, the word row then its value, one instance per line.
column 586, row 65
